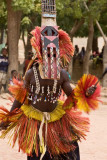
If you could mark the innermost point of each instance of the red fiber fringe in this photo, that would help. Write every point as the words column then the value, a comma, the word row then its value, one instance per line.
column 61, row 134
column 18, row 90
column 66, row 48
column 80, row 93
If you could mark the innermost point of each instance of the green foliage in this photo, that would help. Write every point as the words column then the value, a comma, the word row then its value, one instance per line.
column 103, row 20
column 96, row 7
column 68, row 11
column 83, row 31
column 68, row 8
column 25, row 5
column 37, row 8
column 3, row 15
column 71, row 10
column 25, row 22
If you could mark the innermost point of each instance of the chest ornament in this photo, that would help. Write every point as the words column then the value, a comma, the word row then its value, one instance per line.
column 43, row 93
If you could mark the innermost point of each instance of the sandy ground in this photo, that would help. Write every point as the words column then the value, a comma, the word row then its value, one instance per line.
column 94, row 148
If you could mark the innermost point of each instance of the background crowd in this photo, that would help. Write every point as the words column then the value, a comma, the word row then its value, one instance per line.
column 96, row 55
column 4, row 63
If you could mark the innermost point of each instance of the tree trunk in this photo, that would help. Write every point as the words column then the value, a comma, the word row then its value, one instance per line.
column 105, row 49
column 105, row 65
column 89, row 47
column 75, row 28
column 14, row 18
column 2, row 36
column 28, row 44
column 23, row 39
column 95, row 44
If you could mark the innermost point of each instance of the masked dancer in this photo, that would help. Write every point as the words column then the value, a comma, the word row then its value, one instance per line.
column 45, row 127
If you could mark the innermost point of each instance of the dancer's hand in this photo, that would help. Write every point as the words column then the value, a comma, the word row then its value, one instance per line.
column 90, row 90
column 4, row 125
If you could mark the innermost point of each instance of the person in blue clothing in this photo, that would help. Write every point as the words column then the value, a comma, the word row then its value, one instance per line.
column 3, row 68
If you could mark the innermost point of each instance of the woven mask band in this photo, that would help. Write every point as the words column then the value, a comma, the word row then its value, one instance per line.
column 52, row 47
column 50, row 41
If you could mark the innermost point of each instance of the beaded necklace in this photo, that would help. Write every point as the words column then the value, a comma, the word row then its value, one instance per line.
column 39, row 91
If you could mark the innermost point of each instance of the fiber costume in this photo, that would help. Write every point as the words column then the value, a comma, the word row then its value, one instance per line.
column 65, row 124
column 56, row 131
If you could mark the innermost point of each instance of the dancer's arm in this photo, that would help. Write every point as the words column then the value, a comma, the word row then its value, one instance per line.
column 66, row 83
column 16, row 103
column 68, row 89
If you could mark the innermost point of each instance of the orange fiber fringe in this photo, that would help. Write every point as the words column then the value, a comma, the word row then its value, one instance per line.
column 61, row 134
column 78, row 96
column 65, row 46
column 18, row 90
column 83, row 102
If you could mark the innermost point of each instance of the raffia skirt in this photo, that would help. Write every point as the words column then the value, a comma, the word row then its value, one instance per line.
column 38, row 131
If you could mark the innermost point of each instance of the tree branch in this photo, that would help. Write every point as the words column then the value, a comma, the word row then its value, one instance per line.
column 76, row 26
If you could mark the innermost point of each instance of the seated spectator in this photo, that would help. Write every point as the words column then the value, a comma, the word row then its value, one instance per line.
column 96, row 53
column 3, row 69
column 29, row 57
column 13, row 75
column 97, row 58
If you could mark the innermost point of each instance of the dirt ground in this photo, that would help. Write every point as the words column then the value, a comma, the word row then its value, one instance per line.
column 94, row 148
